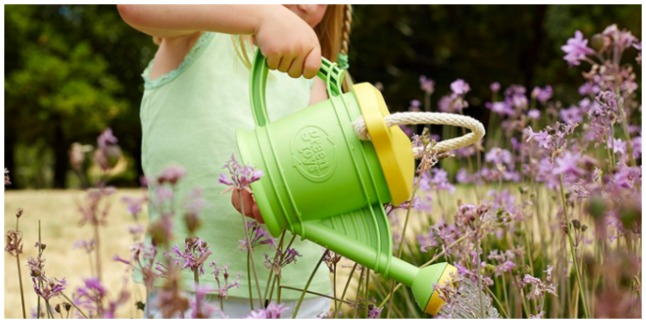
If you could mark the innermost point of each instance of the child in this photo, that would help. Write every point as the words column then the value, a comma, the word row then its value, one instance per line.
column 197, row 94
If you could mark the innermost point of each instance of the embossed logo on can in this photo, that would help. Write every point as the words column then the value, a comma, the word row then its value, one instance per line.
column 313, row 153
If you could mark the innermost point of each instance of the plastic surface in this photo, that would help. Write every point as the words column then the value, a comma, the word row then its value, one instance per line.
column 323, row 183
column 394, row 149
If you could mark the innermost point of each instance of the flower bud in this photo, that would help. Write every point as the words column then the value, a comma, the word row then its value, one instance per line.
column 19, row 213
column 576, row 224
column 599, row 42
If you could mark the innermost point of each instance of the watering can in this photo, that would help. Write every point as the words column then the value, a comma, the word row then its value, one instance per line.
column 324, row 183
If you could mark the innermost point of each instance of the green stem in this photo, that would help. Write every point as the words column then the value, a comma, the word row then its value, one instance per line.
column 49, row 310
column 367, row 290
column 500, row 306
column 309, row 280
column 317, row 294
column 22, row 292
column 196, row 280
column 74, row 305
column 356, row 308
column 347, row 283
column 572, row 251
column 505, row 294
column 40, row 254
column 478, row 275
column 624, row 126
column 336, row 302
column 250, row 262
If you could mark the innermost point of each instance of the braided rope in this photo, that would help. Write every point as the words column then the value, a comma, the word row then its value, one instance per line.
column 438, row 118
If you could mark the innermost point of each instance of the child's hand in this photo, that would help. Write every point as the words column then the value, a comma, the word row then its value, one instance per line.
column 288, row 43
column 250, row 206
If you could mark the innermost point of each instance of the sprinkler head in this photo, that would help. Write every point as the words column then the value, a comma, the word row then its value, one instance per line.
column 424, row 288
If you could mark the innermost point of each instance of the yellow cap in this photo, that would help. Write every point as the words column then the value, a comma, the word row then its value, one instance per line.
column 393, row 147
column 435, row 303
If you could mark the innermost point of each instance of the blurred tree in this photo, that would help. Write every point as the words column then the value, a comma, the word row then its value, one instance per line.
column 70, row 72
column 510, row 44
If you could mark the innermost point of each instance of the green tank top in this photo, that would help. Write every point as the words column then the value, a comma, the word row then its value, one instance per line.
column 189, row 117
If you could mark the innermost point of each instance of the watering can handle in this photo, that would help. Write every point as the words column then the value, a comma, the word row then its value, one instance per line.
column 439, row 118
column 329, row 72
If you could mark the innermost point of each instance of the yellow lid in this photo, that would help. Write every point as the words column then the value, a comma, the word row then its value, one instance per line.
column 393, row 147
column 435, row 303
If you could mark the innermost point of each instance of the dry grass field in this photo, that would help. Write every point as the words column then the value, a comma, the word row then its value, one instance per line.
column 59, row 221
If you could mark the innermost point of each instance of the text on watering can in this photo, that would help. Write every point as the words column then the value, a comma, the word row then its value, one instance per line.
column 313, row 153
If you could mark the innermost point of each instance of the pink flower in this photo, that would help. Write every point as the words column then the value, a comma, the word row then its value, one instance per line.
column 240, row 175
column 460, row 87
column 273, row 311
column 576, row 49
column 427, row 85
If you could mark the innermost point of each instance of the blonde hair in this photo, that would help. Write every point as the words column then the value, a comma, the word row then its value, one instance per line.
column 334, row 36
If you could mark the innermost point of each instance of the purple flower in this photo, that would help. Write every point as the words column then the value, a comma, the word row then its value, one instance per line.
column 495, row 87
column 500, row 108
column 106, row 139
column 50, row 288
column 281, row 259
column 534, row 114
column 567, row 164
column 200, row 307
column 240, row 176
column 620, row 39
column 88, row 245
column 637, row 146
column 171, row 174
column 134, row 204
column 257, row 236
column 576, row 49
column 539, row 288
column 504, row 260
column 463, row 176
column 415, row 106
column 571, row 114
column 163, row 193
column 427, row 85
column 625, row 177
column 500, row 156
column 460, row 87
column 223, row 282
column 374, row 312
column 195, row 202
column 91, row 295
column 436, row 179
column 589, row 88
column 195, row 253
column 273, row 311
column 542, row 95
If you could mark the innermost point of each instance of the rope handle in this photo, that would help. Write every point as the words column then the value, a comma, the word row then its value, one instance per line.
column 438, row 118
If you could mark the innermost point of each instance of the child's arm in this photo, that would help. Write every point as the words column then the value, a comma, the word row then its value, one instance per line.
column 289, row 43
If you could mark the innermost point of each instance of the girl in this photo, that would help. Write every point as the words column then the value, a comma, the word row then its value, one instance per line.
column 197, row 94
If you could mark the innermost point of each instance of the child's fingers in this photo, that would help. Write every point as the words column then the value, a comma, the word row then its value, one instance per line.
column 312, row 63
column 286, row 61
column 256, row 213
column 297, row 68
column 244, row 203
column 272, row 61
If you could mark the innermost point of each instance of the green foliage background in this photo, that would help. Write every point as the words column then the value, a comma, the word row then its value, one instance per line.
column 71, row 71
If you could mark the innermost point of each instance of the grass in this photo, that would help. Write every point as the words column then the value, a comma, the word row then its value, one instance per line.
column 56, row 211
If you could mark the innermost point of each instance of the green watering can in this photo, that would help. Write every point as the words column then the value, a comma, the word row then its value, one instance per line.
column 324, row 183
